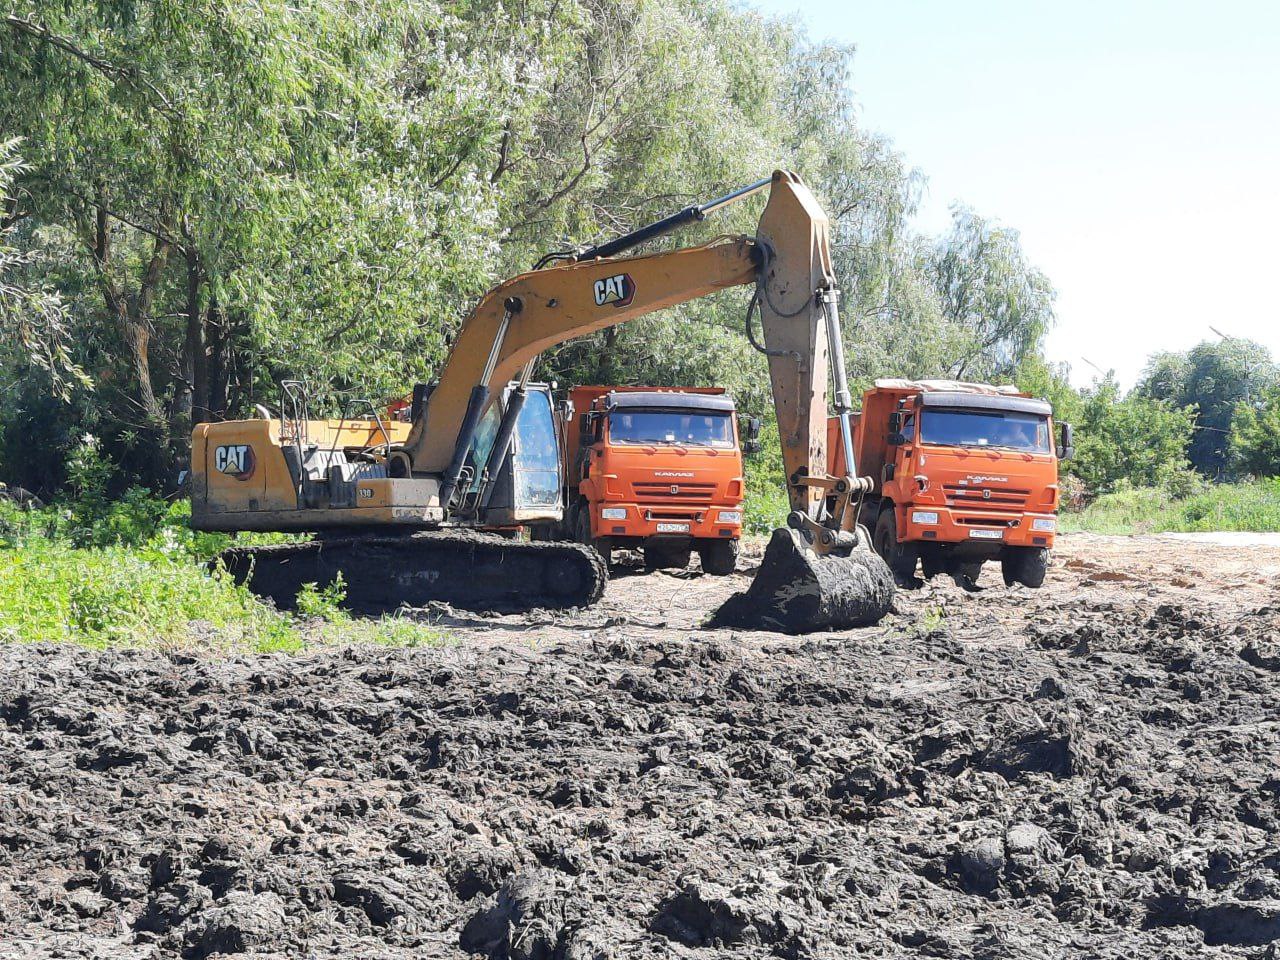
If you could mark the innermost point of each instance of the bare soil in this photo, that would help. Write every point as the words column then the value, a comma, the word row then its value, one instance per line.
column 1087, row 770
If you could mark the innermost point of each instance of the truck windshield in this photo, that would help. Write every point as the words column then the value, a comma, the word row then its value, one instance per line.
column 1027, row 432
column 672, row 426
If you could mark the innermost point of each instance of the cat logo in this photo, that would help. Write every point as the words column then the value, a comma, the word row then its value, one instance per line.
column 617, row 290
column 235, row 460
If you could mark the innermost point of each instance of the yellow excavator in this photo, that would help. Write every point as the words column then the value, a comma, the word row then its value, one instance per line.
column 430, row 510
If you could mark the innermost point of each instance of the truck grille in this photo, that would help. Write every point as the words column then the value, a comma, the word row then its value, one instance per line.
column 987, row 521
column 674, row 492
column 1001, row 497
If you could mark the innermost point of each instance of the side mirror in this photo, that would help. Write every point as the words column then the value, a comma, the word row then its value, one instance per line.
column 588, row 426
column 1066, row 449
column 895, row 438
column 752, row 446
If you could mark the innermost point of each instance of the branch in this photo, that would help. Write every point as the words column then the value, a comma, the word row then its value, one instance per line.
column 128, row 75
column 159, row 233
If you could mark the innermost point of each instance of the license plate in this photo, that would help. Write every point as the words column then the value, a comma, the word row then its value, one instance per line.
column 986, row 534
column 673, row 528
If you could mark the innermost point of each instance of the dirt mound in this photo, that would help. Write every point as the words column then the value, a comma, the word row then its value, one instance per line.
column 984, row 775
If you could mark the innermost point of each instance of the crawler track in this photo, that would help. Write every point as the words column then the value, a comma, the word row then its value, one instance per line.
column 471, row 570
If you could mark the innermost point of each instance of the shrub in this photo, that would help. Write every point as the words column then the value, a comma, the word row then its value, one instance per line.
column 766, row 504
column 116, row 596
column 1249, row 507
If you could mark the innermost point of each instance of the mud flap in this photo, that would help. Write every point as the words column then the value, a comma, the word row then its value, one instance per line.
column 798, row 591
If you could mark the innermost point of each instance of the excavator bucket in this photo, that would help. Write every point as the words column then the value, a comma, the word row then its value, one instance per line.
column 800, row 588
column 799, row 591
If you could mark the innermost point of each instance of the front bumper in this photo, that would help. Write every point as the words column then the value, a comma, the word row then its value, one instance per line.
column 666, row 520
column 978, row 526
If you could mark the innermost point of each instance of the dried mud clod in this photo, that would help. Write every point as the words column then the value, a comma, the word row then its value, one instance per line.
column 1086, row 772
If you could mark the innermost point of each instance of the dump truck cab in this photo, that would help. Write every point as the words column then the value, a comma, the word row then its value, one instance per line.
column 655, row 469
column 964, row 473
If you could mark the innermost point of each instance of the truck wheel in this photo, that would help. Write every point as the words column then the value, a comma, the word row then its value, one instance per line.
column 719, row 557
column 661, row 556
column 901, row 557
column 1024, row 565
column 582, row 533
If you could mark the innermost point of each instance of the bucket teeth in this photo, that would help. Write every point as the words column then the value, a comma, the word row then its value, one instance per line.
column 470, row 570
column 799, row 591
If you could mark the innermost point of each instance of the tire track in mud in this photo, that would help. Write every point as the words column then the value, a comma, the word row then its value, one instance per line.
column 1000, row 779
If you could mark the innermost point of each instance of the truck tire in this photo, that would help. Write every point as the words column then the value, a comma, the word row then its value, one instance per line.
column 582, row 533
column 1024, row 565
column 666, row 556
column 719, row 557
column 901, row 557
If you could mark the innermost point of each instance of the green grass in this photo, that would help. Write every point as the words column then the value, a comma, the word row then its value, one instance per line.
column 1251, row 507
column 133, row 574
column 321, row 610
column 122, row 596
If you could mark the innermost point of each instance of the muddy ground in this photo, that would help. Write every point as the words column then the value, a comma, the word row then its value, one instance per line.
column 1088, row 770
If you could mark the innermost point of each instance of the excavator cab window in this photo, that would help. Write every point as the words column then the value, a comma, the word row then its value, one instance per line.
column 486, row 433
column 537, row 454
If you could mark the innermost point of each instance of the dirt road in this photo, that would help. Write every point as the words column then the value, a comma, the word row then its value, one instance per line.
column 1088, row 770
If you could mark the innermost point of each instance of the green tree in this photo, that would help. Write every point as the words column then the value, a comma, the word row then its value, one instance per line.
column 226, row 195
column 1255, row 435
column 33, row 318
column 1132, row 438
column 1001, row 304
column 1215, row 378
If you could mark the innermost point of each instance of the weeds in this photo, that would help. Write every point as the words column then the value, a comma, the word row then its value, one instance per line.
column 102, row 597
column 132, row 572
column 930, row 622
column 1251, row 507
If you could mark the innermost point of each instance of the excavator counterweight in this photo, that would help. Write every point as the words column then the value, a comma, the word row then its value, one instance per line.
column 411, row 512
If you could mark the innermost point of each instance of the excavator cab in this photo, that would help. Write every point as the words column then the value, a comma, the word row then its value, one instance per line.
column 525, row 487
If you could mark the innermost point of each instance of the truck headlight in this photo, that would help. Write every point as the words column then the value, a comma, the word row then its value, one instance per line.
column 1044, row 524
column 924, row 516
column 613, row 513
column 729, row 516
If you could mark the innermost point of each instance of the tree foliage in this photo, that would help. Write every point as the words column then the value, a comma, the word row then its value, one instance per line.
column 225, row 194
column 1216, row 378
column 999, row 306
column 1255, row 436
column 1133, row 438
column 33, row 318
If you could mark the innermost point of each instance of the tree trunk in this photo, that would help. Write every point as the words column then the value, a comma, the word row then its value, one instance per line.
column 219, row 369
column 195, row 361
column 137, row 332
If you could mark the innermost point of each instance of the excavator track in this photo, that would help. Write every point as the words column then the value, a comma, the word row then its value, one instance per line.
column 466, row 569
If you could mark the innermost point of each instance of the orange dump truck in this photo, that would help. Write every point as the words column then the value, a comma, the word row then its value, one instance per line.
column 656, row 469
column 964, row 473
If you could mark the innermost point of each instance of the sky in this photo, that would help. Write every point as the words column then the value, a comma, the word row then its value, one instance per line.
column 1134, row 144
